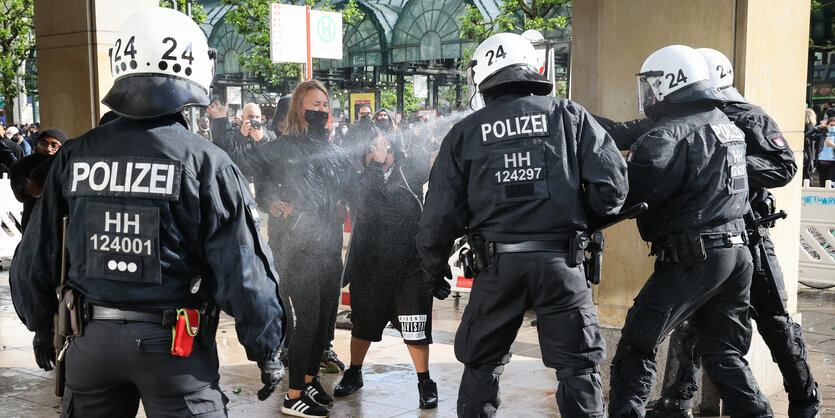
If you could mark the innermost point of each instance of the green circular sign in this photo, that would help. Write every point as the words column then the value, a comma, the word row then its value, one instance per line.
column 326, row 29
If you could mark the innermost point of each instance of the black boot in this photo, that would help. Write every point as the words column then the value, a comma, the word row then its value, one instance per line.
column 668, row 408
column 807, row 408
column 350, row 383
column 428, row 390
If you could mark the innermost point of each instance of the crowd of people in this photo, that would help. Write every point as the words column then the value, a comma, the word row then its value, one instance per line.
column 819, row 145
column 161, row 233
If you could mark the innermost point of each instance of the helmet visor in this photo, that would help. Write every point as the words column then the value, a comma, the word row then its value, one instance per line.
column 476, row 99
column 646, row 96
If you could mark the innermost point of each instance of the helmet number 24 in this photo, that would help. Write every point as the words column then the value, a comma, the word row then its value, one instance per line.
column 675, row 80
column 498, row 53
column 130, row 49
column 187, row 55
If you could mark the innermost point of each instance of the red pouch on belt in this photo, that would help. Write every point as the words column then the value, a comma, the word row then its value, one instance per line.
column 184, row 331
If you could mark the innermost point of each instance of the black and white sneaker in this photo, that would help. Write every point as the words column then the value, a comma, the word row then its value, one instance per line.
column 316, row 392
column 303, row 406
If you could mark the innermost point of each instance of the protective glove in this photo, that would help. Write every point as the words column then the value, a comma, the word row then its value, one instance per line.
column 272, row 373
column 436, row 285
column 44, row 350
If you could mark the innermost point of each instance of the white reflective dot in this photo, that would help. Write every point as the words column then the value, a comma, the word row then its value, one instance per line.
column 123, row 266
column 111, row 264
column 132, row 267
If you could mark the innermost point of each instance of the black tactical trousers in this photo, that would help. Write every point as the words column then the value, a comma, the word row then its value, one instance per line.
column 781, row 334
column 569, row 332
column 116, row 363
column 716, row 293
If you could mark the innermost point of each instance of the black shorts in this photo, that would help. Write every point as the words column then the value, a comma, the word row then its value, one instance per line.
column 400, row 298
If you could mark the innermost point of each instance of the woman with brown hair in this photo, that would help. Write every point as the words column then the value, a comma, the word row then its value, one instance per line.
column 309, row 175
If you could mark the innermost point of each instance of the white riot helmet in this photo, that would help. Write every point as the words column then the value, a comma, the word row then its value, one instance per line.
column 675, row 73
column 501, row 59
column 161, row 63
column 721, row 73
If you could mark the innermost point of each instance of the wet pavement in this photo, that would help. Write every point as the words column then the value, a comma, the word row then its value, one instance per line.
column 390, row 389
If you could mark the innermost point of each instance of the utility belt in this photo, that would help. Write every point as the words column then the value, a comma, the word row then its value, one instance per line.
column 477, row 257
column 74, row 313
column 689, row 249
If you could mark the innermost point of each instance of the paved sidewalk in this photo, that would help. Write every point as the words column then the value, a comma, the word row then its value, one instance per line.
column 390, row 382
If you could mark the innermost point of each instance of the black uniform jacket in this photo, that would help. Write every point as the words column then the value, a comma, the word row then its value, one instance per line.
column 311, row 173
column 691, row 170
column 770, row 161
column 150, row 206
column 523, row 168
column 385, row 216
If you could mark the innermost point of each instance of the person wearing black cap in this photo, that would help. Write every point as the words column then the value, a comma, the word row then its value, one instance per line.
column 28, row 174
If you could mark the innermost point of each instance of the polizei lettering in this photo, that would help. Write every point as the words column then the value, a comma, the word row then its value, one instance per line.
column 727, row 132
column 125, row 177
column 518, row 126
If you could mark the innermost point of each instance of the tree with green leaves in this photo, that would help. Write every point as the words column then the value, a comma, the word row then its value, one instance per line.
column 17, row 38
column 388, row 99
column 197, row 13
column 250, row 18
column 514, row 16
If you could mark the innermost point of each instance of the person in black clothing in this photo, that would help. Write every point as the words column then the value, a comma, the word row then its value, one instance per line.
column 382, row 264
column 235, row 139
column 690, row 168
column 27, row 176
column 160, row 226
column 769, row 163
column 278, row 124
column 810, row 137
column 7, row 158
column 520, row 177
column 16, row 149
column 309, row 175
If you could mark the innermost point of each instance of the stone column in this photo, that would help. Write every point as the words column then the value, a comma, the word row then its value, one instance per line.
column 73, row 39
column 766, row 40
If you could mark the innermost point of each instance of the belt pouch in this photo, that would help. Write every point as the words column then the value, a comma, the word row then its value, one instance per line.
column 184, row 331
column 577, row 248
column 70, row 323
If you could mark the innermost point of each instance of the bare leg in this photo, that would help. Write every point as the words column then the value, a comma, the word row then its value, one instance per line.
column 420, row 356
column 359, row 348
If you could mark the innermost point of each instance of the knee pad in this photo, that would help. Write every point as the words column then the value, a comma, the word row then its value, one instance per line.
column 644, row 329
column 783, row 337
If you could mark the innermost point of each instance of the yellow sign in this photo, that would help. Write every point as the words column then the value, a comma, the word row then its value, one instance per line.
column 358, row 100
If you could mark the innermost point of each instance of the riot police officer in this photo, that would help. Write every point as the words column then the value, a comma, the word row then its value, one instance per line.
column 520, row 176
column 161, row 228
column 691, row 170
column 770, row 163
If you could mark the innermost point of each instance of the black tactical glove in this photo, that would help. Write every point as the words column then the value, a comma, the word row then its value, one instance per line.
column 272, row 373
column 436, row 285
column 44, row 350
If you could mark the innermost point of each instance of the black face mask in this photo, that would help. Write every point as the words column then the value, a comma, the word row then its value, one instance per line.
column 383, row 124
column 365, row 120
column 316, row 120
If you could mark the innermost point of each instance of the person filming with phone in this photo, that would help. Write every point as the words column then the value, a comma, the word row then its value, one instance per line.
column 238, row 138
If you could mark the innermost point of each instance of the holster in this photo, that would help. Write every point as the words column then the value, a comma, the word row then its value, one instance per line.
column 593, row 262
column 466, row 257
column 210, row 316
column 481, row 248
